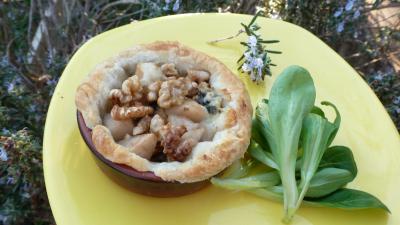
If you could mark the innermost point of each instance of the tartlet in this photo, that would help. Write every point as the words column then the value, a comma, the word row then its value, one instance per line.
column 167, row 109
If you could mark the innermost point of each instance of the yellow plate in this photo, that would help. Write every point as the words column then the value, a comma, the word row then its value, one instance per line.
column 80, row 193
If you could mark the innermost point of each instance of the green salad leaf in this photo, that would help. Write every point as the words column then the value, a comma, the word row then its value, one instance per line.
column 327, row 181
column 337, row 121
column 239, row 168
column 343, row 198
column 290, row 145
column 263, row 126
column 348, row 199
column 257, row 135
column 316, row 134
column 339, row 157
column 255, row 181
column 291, row 99
column 261, row 155
column 317, row 110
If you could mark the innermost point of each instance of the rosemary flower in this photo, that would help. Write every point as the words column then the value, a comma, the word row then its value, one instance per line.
column 10, row 87
column 378, row 77
column 356, row 14
column 252, row 41
column 349, row 5
column 396, row 100
column 175, row 6
column 3, row 154
column 255, row 60
column 340, row 27
column 338, row 12
column 346, row 14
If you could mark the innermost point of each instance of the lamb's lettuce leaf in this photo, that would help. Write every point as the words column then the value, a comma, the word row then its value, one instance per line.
column 291, row 99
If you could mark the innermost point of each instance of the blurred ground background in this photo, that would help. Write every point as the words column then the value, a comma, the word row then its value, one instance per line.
column 38, row 37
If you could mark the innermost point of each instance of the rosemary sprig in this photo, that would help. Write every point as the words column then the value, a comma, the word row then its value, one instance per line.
column 255, row 60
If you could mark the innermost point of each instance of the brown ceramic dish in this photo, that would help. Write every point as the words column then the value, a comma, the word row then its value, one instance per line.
column 140, row 182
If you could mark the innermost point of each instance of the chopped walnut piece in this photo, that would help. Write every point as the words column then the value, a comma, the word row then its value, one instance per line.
column 171, row 138
column 131, row 90
column 142, row 126
column 154, row 88
column 188, row 141
column 169, row 70
column 118, row 98
column 172, row 92
column 169, row 150
column 204, row 86
column 191, row 86
column 134, row 112
column 198, row 75
column 182, row 151
column 137, row 103
column 132, row 87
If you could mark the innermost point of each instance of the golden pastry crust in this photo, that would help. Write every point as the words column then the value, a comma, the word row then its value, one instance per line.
column 207, row 158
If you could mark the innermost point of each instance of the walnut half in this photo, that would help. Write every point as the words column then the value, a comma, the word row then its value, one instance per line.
column 171, row 139
column 131, row 91
column 132, row 87
column 134, row 112
column 169, row 70
column 118, row 98
column 154, row 88
column 172, row 93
